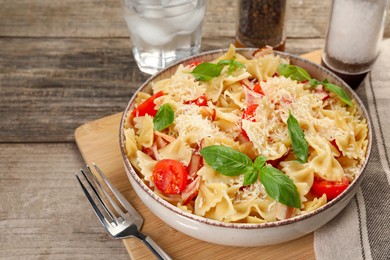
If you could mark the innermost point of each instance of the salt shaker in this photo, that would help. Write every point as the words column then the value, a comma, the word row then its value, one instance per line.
column 354, row 34
column 261, row 23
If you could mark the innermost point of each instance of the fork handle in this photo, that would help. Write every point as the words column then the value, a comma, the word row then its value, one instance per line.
column 154, row 247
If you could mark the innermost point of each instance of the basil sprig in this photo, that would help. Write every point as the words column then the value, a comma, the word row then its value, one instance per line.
column 225, row 160
column 300, row 74
column 233, row 64
column 164, row 117
column 298, row 141
column 280, row 186
column 333, row 88
column 230, row 162
column 293, row 72
column 205, row 71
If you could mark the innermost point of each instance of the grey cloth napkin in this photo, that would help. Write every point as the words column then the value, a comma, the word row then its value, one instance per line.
column 362, row 229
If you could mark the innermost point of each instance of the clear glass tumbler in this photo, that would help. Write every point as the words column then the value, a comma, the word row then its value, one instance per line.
column 163, row 31
column 354, row 34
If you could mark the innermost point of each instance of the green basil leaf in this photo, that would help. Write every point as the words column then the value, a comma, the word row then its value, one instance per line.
column 236, row 64
column 338, row 91
column 232, row 64
column 314, row 82
column 298, row 141
column 259, row 162
column 164, row 117
column 226, row 160
column 334, row 89
column 280, row 187
column 206, row 71
column 224, row 62
column 250, row 176
column 293, row 72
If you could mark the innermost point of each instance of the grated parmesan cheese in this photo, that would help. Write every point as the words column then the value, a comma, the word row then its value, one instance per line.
column 181, row 86
column 191, row 126
column 251, row 192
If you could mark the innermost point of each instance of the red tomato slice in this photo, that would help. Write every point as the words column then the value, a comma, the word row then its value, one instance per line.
column 195, row 63
column 249, row 114
column 253, row 84
column 201, row 101
column 257, row 88
column 331, row 188
column 170, row 176
column 147, row 107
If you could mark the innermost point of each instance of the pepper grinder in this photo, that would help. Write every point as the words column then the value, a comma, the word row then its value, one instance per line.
column 354, row 34
column 260, row 23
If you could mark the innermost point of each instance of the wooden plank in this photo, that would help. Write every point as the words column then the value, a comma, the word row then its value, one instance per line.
column 58, row 18
column 43, row 212
column 314, row 56
column 48, row 87
column 98, row 141
column 103, row 18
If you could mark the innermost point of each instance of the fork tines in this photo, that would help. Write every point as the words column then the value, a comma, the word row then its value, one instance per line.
column 112, row 216
column 120, row 223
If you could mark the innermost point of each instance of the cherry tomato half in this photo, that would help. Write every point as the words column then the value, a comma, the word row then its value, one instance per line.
column 170, row 176
column 195, row 63
column 257, row 88
column 147, row 107
column 331, row 188
column 201, row 101
column 249, row 114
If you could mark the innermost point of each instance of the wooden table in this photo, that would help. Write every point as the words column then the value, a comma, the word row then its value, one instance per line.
column 65, row 63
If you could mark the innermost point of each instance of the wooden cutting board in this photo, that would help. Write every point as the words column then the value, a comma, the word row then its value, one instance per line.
column 98, row 142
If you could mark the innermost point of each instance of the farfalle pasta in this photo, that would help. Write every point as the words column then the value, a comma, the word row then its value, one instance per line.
column 245, row 105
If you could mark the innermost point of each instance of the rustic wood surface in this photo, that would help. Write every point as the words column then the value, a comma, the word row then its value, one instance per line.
column 65, row 63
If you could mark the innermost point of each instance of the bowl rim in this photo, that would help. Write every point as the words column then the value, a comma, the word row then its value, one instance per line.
column 330, row 204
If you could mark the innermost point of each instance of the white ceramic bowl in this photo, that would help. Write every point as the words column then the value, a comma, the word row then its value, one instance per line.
column 241, row 234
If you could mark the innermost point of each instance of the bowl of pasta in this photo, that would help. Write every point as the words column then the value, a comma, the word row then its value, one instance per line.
column 245, row 147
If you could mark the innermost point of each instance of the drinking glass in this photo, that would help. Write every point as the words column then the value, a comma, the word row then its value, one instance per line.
column 163, row 31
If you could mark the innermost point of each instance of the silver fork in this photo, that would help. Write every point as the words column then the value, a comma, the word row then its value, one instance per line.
column 120, row 224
